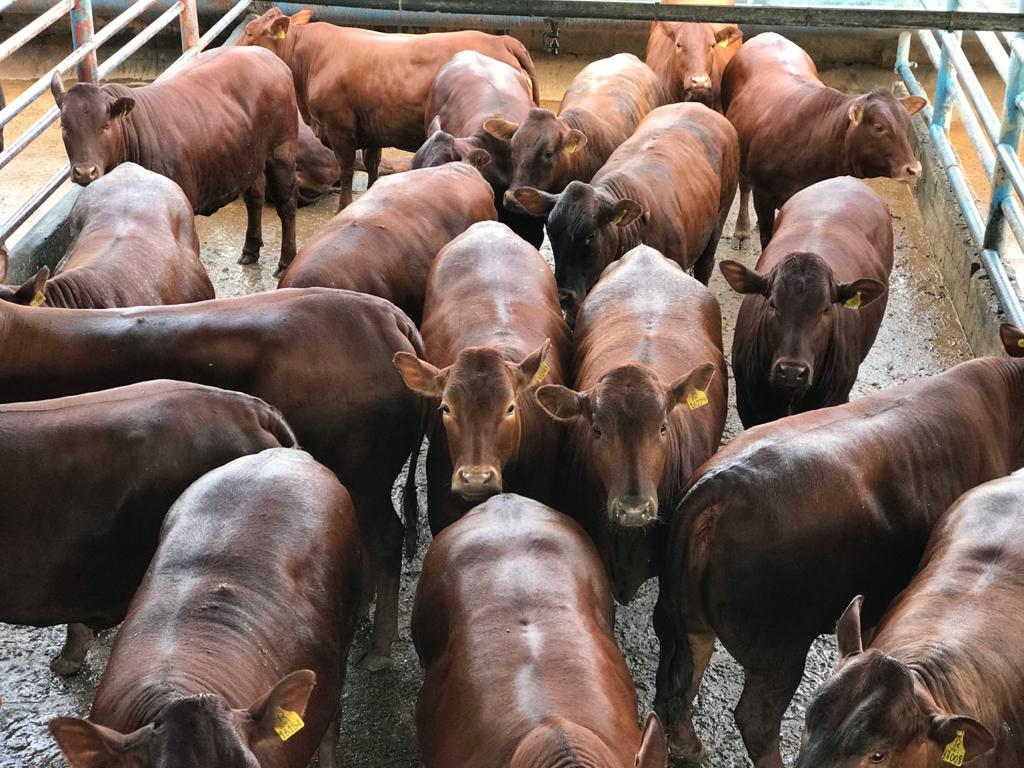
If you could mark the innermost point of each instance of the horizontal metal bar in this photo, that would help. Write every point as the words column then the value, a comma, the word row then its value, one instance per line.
column 27, row 33
column 211, row 34
column 5, row 4
column 1000, row 58
column 1005, row 292
column 371, row 17
column 151, row 30
column 32, row 204
column 18, row 146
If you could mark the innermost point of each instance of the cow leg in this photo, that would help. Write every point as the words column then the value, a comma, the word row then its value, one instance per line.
column 742, row 231
column 344, row 146
column 371, row 161
column 764, row 207
column 328, row 750
column 705, row 263
column 253, row 197
column 766, row 694
column 383, row 534
column 71, row 657
column 280, row 177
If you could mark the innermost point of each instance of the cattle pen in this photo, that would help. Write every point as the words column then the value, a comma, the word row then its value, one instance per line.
column 959, row 231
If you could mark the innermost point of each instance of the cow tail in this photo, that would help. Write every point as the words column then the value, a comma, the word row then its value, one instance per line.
column 692, row 527
column 526, row 62
column 273, row 421
column 410, row 499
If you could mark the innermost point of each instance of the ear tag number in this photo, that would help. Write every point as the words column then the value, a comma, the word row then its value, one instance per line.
column 696, row 399
column 542, row 372
column 955, row 752
column 853, row 302
column 287, row 723
column 38, row 300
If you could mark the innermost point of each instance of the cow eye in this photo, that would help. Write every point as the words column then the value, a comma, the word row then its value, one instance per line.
column 878, row 127
column 511, row 409
column 549, row 153
column 597, row 430
column 588, row 239
column 445, row 409
column 664, row 428
column 771, row 305
column 877, row 757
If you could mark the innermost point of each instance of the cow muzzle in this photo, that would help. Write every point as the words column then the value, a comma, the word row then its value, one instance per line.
column 84, row 174
column 634, row 511
column 699, row 89
column 476, row 483
column 908, row 173
column 790, row 374
column 511, row 204
column 570, row 302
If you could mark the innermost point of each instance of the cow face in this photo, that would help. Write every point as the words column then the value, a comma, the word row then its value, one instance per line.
column 271, row 29
column 561, row 742
column 801, row 301
column 583, row 225
column 481, row 399
column 874, row 712
column 877, row 139
column 192, row 732
column 90, row 123
column 629, row 414
column 693, row 56
column 29, row 293
column 541, row 148
column 442, row 148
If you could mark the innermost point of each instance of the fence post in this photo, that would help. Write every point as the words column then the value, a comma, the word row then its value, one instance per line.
column 945, row 77
column 81, row 34
column 189, row 25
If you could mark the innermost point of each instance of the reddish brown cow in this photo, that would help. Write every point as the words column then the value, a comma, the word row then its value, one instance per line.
column 133, row 243
column 375, row 95
column 362, row 249
column 219, row 127
column 233, row 652
column 814, row 302
column 670, row 186
column 793, row 517
column 470, row 90
column 323, row 357
column 939, row 683
column 650, row 408
column 795, row 131
column 601, row 108
column 513, row 623
column 493, row 331
column 88, row 480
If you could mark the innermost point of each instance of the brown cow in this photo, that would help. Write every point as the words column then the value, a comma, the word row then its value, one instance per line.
column 323, row 357
column 221, row 126
column 814, row 302
column 88, row 480
column 233, row 652
column 468, row 91
column 650, row 408
column 793, row 517
column 941, row 681
column 601, row 109
column 365, row 248
column 133, row 243
column 513, row 623
column 795, row 131
column 670, row 186
column 493, row 331
column 689, row 58
column 375, row 95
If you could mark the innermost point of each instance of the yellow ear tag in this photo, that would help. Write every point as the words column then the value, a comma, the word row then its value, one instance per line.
column 696, row 399
column 724, row 43
column 853, row 302
column 280, row 34
column 37, row 300
column 1020, row 343
column 955, row 752
column 542, row 372
column 288, row 723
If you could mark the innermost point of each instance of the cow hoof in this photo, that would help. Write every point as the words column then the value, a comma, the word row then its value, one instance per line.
column 375, row 663
column 739, row 241
column 280, row 269
column 249, row 257
column 66, row 667
column 688, row 754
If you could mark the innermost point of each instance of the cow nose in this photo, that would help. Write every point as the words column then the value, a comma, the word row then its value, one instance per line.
column 792, row 373
column 700, row 82
column 511, row 203
column 634, row 511
column 476, row 482
column 570, row 305
column 84, row 173
column 910, row 171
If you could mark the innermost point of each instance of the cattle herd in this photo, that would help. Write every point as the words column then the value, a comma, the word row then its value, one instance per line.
column 176, row 499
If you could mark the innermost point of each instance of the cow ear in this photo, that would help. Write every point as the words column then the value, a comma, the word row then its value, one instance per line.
column 848, row 634
column 727, row 34
column 534, row 201
column 691, row 388
column 913, row 104
column 279, row 27
column 856, row 112
column 653, row 750
column 419, row 375
column 742, row 279
column 501, row 129
column 561, row 403
column 961, row 738
column 472, row 154
column 1013, row 339
column 624, row 212
column 278, row 715
column 302, row 17
column 573, row 141
column 121, row 107
column 57, row 89
column 31, row 291
column 859, row 293
column 87, row 745
column 533, row 369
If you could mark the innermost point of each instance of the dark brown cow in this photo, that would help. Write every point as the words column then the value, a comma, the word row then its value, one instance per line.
column 233, row 652
column 88, row 480
column 793, row 517
column 513, row 623
column 133, row 243
column 795, row 131
column 670, row 186
column 814, row 302
column 650, row 408
column 601, row 108
column 323, row 357
column 940, row 683
column 493, row 331
column 219, row 127
column 470, row 90
column 375, row 95
column 365, row 248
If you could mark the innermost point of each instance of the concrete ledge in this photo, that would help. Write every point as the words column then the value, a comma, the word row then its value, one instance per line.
column 45, row 244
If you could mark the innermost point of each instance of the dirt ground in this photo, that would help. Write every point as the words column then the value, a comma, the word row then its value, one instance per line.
column 920, row 336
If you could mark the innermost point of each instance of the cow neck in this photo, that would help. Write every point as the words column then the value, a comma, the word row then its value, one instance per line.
column 298, row 58
column 127, row 126
column 834, row 106
column 62, row 291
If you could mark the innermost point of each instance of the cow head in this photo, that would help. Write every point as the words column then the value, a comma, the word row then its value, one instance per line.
column 877, row 139
column 29, row 293
column 90, row 123
column 693, row 56
column 1013, row 339
column 874, row 711
column 558, row 741
column 801, row 299
column 442, row 148
column 481, row 397
column 541, row 148
column 583, row 225
column 192, row 731
column 629, row 413
column 271, row 29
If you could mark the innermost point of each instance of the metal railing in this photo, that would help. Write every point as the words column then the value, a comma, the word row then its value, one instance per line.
column 83, row 57
column 995, row 140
